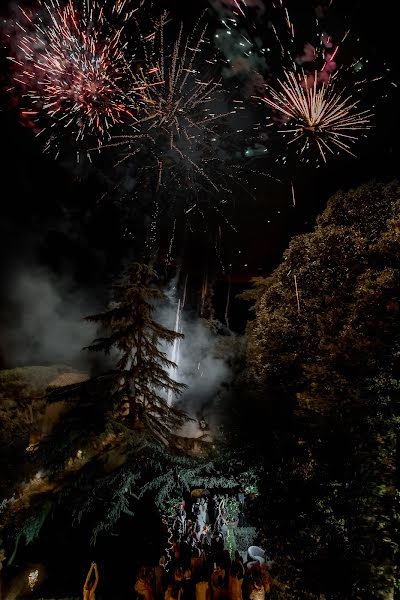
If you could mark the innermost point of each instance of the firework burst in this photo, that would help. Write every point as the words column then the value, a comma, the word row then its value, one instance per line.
column 310, row 102
column 70, row 66
column 317, row 114
column 177, row 104
column 181, row 115
column 312, row 99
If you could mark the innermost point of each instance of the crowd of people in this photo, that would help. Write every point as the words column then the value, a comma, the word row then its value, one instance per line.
column 197, row 579
column 197, row 565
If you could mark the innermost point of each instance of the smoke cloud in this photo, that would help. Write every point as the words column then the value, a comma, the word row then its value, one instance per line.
column 243, row 60
column 241, row 50
column 44, row 324
column 227, row 7
column 203, row 365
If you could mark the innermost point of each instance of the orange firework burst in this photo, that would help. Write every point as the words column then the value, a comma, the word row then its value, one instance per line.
column 320, row 113
column 178, row 101
column 176, row 108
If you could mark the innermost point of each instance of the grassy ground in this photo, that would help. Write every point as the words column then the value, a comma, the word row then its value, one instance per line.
column 22, row 396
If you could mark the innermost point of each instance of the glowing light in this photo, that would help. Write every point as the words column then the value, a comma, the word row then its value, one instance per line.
column 293, row 195
column 306, row 96
column 33, row 577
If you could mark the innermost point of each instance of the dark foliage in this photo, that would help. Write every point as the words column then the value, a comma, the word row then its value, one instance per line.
column 115, row 432
column 324, row 367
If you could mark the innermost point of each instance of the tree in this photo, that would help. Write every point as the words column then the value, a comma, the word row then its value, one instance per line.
column 141, row 376
column 117, row 430
column 323, row 355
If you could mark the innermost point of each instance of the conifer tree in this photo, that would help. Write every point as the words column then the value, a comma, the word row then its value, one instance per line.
column 116, row 431
column 141, row 375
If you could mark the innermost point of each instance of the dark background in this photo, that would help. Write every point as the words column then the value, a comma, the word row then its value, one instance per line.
column 52, row 217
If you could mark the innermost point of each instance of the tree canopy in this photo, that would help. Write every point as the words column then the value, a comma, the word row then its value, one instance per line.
column 323, row 357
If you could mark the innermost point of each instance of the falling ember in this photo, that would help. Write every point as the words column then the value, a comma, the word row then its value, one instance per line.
column 204, row 292
column 297, row 294
column 318, row 113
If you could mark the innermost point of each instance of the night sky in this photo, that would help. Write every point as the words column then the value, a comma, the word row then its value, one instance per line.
column 52, row 216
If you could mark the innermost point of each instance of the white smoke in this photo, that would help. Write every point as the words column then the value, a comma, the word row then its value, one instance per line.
column 228, row 7
column 243, row 60
column 203, row 366
column 45, row 320
column 45, row 325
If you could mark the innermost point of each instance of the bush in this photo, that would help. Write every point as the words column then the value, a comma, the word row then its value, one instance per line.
column 244, row 537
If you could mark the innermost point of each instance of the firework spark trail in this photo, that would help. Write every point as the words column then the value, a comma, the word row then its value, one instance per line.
column 297, row 294
column 218, row 248
column 237, row 5
column 312, row 94
column 70, row 65
column 309, row 85
column 71, row 68
column 293, row 195
column 322, row 115
column 228, row 298
column 204, row 292
column 175, row 354
column 151, row 240
column 177, row 102
column 171, row 243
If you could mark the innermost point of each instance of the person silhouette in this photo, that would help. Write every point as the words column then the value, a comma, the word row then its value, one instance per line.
column 90, row 585
column 143, row 586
